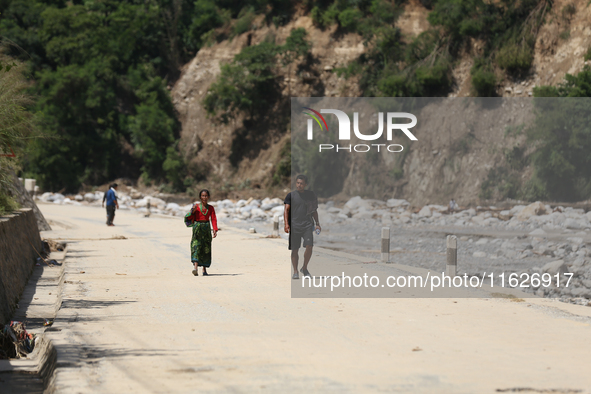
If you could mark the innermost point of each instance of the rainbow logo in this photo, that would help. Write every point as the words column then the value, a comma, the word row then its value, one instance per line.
column 316, row 115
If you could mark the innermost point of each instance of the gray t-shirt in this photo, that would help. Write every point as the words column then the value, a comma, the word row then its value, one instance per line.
column 302, row 206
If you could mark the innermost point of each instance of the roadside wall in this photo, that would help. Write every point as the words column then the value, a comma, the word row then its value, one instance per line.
column 19, row 237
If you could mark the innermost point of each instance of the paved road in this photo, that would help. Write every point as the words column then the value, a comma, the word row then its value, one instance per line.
column 134, row 319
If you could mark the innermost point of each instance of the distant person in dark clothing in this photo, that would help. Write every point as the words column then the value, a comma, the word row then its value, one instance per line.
column 110, row 198
column 300, row 214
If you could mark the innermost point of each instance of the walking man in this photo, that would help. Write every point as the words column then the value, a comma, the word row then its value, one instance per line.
column 300, row 214
column 112, row 204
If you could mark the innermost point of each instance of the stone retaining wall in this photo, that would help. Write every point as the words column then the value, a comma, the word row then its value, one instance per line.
column 19, row 237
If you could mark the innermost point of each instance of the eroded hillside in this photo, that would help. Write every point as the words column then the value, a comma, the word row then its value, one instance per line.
column 244, row 155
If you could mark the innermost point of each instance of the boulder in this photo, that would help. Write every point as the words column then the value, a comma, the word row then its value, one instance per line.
column 278, row 209
column 557, row 217
column 516, row 209
column 157, row 202
column 555, row 267
column 534, row 209
column 363, row 215
column 425, row 212
column 394, row 203
column 478, row 220
column 247, row 208
column 354, row 203
column 172, row 206
column 45, row 196
column 257, row 212
column 79, row 197
column 573, row 224
column 56, row 197
column 270, row 205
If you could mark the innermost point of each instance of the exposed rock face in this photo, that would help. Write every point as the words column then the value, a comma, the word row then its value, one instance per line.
column 212, row 146
column 453, row 156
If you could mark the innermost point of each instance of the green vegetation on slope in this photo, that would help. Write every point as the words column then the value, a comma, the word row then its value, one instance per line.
column 16, row 124
column 506, row 31
column 249, row 84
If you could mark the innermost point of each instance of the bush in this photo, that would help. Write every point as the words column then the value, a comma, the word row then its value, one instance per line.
column 515, row 58
column 421, row 46
column 435, row 79
column 283, row 169
column 244, row 22
column 248, row 84
column 350, row 18
column 174, row 168
column 500, row 183
column 484, row 81
column 207, row 17
column 545, row 91
column 562, row 139
column 533, row 190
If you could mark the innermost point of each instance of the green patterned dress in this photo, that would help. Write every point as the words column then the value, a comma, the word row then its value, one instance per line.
column 201, row 239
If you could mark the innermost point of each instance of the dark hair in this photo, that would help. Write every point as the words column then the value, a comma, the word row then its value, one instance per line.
column 206, row 191
column 303, row 177
column 114, row 185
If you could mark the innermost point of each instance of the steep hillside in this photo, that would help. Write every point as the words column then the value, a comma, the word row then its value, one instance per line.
column 212, row 147
column 242, row 156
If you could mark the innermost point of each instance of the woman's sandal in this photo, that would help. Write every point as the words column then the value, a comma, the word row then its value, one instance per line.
column 205, row 273
column 195, row 272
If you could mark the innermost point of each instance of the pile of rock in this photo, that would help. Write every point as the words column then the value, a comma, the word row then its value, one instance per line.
column 535, row 219
column 532, row 249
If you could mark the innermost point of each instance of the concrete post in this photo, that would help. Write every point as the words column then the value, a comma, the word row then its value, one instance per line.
column 30, row 186
column 275, row 226
column 385, row 244
column 452, row 255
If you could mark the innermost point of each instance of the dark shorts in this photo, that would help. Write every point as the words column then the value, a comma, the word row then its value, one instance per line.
column 295, row 239
column 110, row 214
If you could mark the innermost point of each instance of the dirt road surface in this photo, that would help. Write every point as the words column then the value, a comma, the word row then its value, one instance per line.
column 135, row 320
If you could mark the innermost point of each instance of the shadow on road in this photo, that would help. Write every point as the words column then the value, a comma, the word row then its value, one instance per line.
column 88, row 304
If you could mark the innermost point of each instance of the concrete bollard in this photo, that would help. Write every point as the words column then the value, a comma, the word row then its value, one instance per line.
column 30, row 186
column 385, row 244
column 452, row 256
column 276, row 226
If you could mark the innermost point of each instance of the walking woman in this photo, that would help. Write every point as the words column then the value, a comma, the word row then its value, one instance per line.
column 198, row 218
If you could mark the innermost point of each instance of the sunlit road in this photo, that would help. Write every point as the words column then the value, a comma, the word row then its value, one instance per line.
column 134, row 319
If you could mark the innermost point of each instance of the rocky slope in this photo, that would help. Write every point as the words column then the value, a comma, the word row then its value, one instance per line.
column 434, row 171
